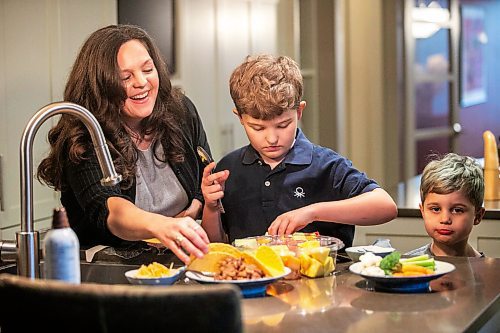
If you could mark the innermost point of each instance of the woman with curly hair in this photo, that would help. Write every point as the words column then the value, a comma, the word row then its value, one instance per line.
column 152, row 130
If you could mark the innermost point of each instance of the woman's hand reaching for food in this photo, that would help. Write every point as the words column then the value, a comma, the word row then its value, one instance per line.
column 127, row 221
column 183, row 233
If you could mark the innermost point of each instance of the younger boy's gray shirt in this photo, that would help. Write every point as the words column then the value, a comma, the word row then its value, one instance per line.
column 426, row 249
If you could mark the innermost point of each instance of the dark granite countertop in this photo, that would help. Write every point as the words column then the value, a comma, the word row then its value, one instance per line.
column 465, row 300
column 462, row 301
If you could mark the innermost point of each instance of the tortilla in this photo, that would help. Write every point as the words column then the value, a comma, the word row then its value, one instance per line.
column 225, row 248
column 210, row 262
column 152, row 241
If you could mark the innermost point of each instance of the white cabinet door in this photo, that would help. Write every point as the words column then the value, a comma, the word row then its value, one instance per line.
column 26, row 76
column 39, row 41
column 226, row 31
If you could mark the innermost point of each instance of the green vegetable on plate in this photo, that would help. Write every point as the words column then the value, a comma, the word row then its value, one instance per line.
column 394, row 263
column 391, row 263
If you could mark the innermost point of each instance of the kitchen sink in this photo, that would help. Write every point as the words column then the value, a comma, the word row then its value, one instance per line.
column 102, row 272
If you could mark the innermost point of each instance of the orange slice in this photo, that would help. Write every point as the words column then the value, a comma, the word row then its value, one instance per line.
column 271, row 260
column 252, row 260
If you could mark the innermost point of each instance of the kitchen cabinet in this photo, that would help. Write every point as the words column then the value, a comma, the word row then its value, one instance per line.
column 227, row 31
column 39, row 41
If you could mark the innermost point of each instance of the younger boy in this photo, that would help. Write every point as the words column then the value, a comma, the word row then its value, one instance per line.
column 451, row 194
column 281, row 182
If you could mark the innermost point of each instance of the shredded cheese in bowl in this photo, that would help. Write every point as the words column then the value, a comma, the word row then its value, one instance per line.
column 154, row 270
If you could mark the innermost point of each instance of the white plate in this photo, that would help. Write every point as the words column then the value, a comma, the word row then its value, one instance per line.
column 210, row 279
column 167, row 280
column 249, row 288
column 404, row 283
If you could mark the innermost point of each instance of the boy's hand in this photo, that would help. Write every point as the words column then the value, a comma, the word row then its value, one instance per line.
column 212, row 185
column 193, row 210
column 289, row 222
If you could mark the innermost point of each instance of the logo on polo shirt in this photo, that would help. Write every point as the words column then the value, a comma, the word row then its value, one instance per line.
column 299, row 192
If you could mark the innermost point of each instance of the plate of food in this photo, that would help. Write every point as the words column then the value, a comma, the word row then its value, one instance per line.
column 249, row 287
column 154, row 274
column 396, row 274
column 251, row 271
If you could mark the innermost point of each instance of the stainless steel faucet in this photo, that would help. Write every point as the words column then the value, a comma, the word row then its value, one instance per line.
column 27, row 240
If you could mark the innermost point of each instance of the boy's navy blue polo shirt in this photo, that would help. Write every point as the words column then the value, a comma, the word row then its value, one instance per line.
column 255, row 195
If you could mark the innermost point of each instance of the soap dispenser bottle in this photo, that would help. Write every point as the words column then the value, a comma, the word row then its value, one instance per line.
column 491, row 167
column 61, row 250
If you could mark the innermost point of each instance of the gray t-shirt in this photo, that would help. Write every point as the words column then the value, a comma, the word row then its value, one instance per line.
column 426, row 249
column 157, row 188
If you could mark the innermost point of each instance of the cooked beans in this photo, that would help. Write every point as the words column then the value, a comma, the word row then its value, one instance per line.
column 237, row 269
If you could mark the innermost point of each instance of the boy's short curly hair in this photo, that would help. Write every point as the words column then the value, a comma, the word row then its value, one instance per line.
column 453, row 173
column 264, row 86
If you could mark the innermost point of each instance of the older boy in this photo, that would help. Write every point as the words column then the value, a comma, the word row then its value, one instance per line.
column 281, row 182
column 451, row 194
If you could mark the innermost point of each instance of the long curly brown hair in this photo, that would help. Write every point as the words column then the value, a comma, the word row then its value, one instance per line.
column 94, row 83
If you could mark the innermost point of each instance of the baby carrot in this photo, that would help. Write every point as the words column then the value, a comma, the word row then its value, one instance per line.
column 408, row 273
column 415, row 268
column 412, row 273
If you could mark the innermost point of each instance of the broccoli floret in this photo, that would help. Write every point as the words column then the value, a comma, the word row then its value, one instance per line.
column 390, row 262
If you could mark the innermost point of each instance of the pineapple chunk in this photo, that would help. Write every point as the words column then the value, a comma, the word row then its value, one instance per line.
column 329, row 266
column 319, row 253
column 316, row 269
column 305, row 261
column 316, row 262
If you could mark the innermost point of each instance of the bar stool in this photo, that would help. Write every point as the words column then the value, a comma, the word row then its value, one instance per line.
column 29, row 305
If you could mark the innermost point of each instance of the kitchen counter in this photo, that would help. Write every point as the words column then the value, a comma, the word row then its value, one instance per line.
column 465, row 300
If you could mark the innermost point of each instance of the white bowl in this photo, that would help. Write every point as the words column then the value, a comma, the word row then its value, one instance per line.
column 163, row 281
column 354, row 252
